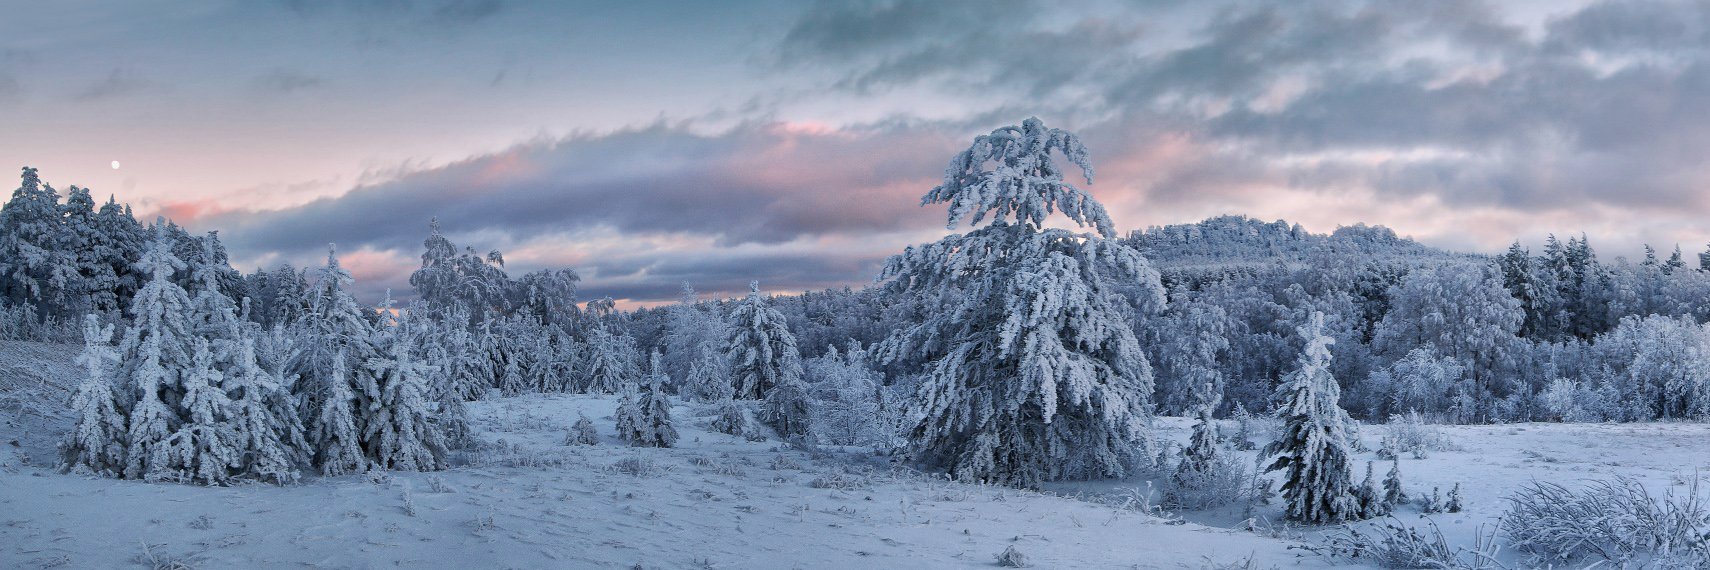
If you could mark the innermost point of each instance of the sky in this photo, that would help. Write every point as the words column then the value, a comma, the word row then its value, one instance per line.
column 647, row 144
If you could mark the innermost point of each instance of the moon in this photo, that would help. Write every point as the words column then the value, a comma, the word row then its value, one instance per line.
column 115, row 165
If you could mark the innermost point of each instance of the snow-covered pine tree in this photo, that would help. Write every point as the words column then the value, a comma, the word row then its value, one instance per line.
column 35, row 265
column 335, row 341
column 611, row 360
column 694, row 332
column 1393, row 495
column 204, row 449
column 731, row 418
column 1312, row 449
column 213, row 315
column 1243, row 439
column 1033, row 373
column 761, row 351
column 97, row 443
column 1200, row 455
column 582, row 432
column 335, row 439
column 266, row 426
column 1454, row 505
column 788, row 408
column 644, row 413
column 399, row 432
column 154, row 357
column 1370, row 496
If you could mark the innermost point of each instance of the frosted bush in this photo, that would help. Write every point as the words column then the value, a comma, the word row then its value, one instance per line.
column 1615, row 520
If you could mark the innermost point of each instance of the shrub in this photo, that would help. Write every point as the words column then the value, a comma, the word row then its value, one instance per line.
column 1613, row 520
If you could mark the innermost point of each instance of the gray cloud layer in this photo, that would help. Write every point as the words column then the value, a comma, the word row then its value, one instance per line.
column 1473, row 105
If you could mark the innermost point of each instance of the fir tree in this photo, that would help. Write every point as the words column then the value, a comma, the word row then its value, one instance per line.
column 1454, row 504
column 265, row 425
column 154, row 356
column 644, row 413
column 761, row 351
column 204, row 449
column 1371, row 498
column 336, row 341
column 1243, row 439
column 401, row 434
column 788, row 409
column 1312, row 450
column 1393, row 495
column 1201, row 452
column 337, row 443
column 1032, row 370
column 583, row 432
column 96, row 444
column 611, row 361
column 731, row 417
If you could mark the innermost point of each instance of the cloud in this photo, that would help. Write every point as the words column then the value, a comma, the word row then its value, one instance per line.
column 117, row 83
column 287, row 81
column 727, row 203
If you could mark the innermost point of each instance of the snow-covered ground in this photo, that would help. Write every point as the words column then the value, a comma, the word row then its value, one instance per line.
column 526, row 500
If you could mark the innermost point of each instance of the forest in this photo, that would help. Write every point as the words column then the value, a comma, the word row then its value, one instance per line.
column 1040, row 346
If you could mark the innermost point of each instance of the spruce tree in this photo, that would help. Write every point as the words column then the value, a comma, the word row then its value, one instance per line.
column 1312, row 451
column 1032, row 370
column 1393, row 495
column 1201, row 452
column 266, row 425
column 97, row 443
column 761, row 351
column 336, row 441
column 335, row 342
column 611, row 361
column 788, row 409
column 204, row 449
column 644, row 413
column 400, row 433
column 582, row 432
column 154, row 357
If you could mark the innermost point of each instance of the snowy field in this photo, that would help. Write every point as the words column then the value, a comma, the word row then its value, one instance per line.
column 526, row 500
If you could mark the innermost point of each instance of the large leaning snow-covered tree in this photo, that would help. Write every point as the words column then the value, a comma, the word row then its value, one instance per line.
column 1032, row 371
column 1312, row 450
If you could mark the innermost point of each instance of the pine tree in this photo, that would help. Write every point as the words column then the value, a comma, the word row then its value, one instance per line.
column 1243, row 439
column 335, row 342
column 154, row 357
column 1312, row 450
column 1032, row 369
column 204, row 449
column 583, row 432
column 731, row 417
column 1201, row 452
column 644, row 413
column 762, row 352
column 1371, row 498
column 788, row 408
column 96, row 444
column 400, row 433
column 708, row 378
column 266, row 426
column 693, row 333
column 1454, row 505
column 35, row 264
column 611, row 361
column 337, row 443
column 1393, row 495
